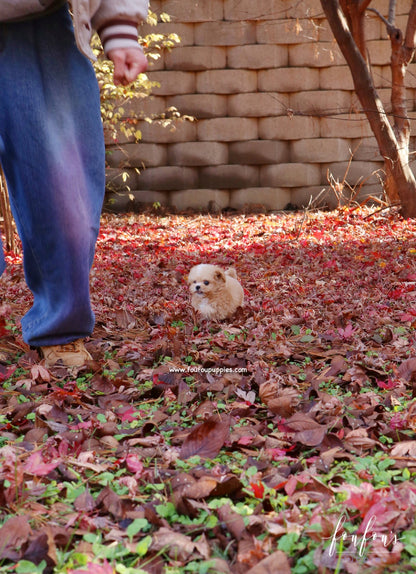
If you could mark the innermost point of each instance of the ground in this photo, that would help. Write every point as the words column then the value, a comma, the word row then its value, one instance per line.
column 281, row 440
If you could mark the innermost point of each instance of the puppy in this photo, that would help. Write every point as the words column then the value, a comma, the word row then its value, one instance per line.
column 216, row 294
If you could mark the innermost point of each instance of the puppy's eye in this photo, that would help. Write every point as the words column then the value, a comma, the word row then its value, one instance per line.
column 206, row 282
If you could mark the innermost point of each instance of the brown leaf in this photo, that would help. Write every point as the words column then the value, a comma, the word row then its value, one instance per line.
column 358, row 439
column 276, row 563
column 382, row 557
column 285, row 403
column 185, row 395
column 227, row 486
column 338, row 365
column 201, row 488
column 36, row 435
column 84, row 502
column 186, row 487
column 327, row 457
column 37, row 550
column 268, row 391
column 233, row 521
column 206, row 439
column 21, row 411
column 250, row 550
column 176, row 545
column 38, row 372
column 280, row 401
column 179, row 485
column 181, row 481
column 124, row 319
column 407, row 369
column 405, row 448
column 205, row 409
column 110, row 501
column 202, row 547
column 153, row 563
column 14, row 533
column 308, row 431
column 259, row 377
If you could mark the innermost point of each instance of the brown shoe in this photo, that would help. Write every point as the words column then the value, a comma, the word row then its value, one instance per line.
column 69, row 355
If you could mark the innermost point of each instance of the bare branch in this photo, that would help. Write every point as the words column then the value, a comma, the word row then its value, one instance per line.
column 411, row 29
column 363, row 5
column 354, row 13
column 392, row 11
column 388, row 24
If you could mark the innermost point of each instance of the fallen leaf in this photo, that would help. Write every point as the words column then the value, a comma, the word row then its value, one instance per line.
column 358, row 439
column 14, row 532
column 110, row 502
column 307, row 431
column 407, row 369
column 206, row 439
column 276, row 563
column 38, row 550
column 284, row 403
column 404, row 448
column 134, row 464
column 233, row 521
column 36, row 465
column 85, row 502
column 176, row 545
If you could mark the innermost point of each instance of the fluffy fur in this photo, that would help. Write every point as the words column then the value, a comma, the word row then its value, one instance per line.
column 216, row 293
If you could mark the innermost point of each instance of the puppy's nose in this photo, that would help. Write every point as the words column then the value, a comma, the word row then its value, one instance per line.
column 197, row 287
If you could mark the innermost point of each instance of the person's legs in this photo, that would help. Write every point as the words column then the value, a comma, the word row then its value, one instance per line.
column 54, row 164
column 2, row 261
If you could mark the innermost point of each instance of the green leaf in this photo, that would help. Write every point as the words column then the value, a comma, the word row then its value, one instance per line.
column 143, row 546
column 166, row 510
column 26, row 567
column 136, row 526
column 288, row 542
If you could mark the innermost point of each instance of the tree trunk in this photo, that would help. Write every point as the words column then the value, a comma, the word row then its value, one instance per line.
column 354, row 11
column 400, row 182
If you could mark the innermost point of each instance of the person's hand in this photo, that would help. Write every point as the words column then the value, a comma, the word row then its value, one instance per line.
column 128, row 64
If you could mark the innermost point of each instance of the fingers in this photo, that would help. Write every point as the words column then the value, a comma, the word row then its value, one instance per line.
column 132, row 70
column 128, row 64
column 119, row 65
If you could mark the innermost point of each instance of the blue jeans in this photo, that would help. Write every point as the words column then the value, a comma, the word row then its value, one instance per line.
column 52, row 153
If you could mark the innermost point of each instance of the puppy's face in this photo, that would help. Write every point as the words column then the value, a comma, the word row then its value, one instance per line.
column 206, row 280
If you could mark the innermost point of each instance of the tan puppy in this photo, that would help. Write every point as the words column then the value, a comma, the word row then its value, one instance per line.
column 216, row 294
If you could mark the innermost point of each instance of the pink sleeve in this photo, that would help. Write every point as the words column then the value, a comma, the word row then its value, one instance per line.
column 118, row 33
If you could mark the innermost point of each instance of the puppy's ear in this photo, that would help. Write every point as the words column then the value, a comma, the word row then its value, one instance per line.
column 220, row 276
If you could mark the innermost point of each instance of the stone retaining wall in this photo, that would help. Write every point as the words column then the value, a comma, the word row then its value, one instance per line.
column 274, row 106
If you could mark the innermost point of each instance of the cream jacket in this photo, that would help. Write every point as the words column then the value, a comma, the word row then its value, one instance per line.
column 88, row 15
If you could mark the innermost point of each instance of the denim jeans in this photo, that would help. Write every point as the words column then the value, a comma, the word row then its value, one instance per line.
column 52, row 153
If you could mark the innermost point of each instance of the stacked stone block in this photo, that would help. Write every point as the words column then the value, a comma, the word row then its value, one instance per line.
column 276, row 116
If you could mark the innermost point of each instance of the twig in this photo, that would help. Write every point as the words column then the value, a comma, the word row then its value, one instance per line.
column 381, row 209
